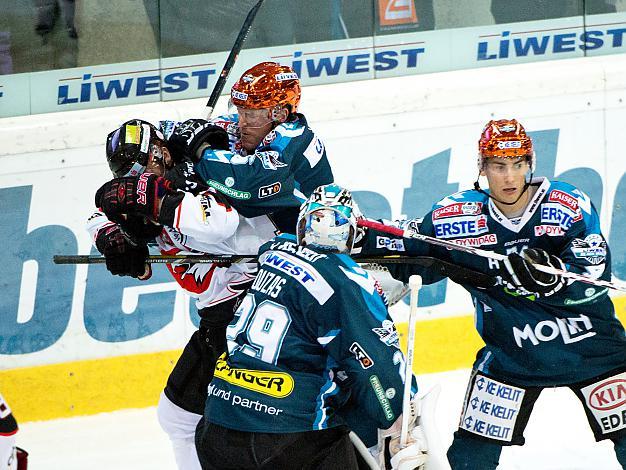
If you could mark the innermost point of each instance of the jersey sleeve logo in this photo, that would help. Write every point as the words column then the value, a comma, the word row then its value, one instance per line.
column 270, row 159
column 361, row 355
column 592, row 248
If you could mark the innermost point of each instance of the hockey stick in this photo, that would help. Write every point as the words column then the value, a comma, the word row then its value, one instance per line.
column 451, row 245
column 415, row 284
column 363, row 451
column 454, row 272
column 230, row 60
column 97, row 259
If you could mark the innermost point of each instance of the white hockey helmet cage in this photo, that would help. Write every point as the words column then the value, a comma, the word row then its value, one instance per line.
column 328, row 219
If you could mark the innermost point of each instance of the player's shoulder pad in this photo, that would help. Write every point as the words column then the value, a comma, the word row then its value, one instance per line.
column 282, row 238
column 286, row 132
column 569, row 196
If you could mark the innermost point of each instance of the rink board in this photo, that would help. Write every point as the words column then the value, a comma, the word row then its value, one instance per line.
column 75, row 340
column 135, row 381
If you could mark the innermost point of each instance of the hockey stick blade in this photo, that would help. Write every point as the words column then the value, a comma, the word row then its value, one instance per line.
column 230, row 60
column 484, row 253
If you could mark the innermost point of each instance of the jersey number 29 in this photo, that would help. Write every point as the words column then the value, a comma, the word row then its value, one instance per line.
column 265, row 326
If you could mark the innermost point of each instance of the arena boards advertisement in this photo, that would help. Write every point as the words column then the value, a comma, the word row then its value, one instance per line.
column 82, row 341
column 343, row 60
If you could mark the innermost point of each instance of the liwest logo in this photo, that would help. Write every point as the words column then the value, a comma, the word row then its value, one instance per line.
column 321, row 65
column 514, row 44
column 107, row 87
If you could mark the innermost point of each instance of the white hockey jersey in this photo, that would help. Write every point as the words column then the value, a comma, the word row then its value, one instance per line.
column 204, row 225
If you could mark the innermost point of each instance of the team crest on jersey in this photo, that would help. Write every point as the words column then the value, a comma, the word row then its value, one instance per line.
column 566, row 200
column 461, row 226
column 270, row 159
column 193, row 277
column 459, row 208
column 361, row 355
column 592, row 248
column 388, row 334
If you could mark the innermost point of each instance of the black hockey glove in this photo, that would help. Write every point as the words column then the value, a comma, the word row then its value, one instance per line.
column 139, row 228
column 124, row 256
column 184, row 177
column 521, row 276
column 191, row 134
column 132, row 195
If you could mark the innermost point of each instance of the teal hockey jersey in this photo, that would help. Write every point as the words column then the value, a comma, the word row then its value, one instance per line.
column 568, row 337
column 285, row 168
column 312, row 334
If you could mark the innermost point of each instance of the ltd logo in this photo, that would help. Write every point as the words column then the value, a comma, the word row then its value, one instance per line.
column 269, row 190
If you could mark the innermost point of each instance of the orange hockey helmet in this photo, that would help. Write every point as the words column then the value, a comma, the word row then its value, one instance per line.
column 267, row 85
column 505, row 138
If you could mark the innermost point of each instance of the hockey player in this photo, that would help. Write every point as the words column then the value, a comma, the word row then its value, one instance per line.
column 11, row 457
column 312, row 334
column 274, row 161
column 539, row 330
column 186, row 224
column 297, row 163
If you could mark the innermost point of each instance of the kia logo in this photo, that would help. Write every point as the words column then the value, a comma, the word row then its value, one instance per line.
column 608, row 395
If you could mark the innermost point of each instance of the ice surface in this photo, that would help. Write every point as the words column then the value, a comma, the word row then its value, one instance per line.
column 557, row 436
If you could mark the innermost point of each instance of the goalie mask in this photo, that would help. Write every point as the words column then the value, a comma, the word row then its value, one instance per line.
column 267, row 85
column 328, row 219
column 128, row 147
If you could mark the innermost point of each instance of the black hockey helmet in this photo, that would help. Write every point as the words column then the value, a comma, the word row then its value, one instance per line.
column 128, row 147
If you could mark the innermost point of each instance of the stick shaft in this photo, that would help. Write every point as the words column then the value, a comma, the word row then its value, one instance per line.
column 425, row 261
column 415, row 283
column 96, row 259
column 485, row 254
column 232, row 57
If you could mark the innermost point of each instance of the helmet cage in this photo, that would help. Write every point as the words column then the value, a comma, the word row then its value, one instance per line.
column 327, row 220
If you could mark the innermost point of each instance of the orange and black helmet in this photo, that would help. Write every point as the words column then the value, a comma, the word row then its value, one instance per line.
column 505, row 138
column 267, row 85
